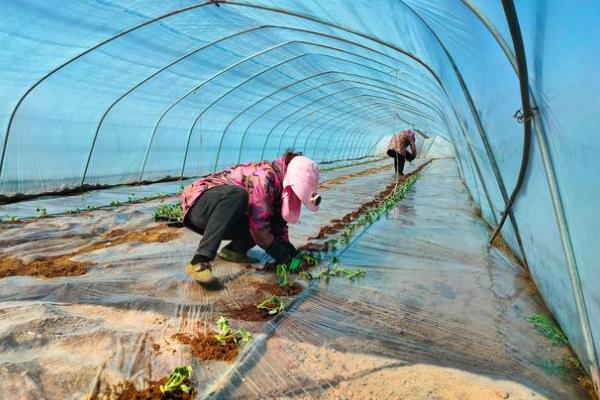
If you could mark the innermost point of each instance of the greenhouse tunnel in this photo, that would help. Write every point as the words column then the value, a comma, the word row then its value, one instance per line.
column 109, row 108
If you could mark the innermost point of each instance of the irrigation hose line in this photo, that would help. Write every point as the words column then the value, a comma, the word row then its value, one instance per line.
column 527, row 112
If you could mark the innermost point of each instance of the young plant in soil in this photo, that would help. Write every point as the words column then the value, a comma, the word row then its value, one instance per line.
column 547, row 327
column 42, row 212
column 169, row 212
column 273, row 305
column 177, row 381
column 226, row 334
column 337, row 271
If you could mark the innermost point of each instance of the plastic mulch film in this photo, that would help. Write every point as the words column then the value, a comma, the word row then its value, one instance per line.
column 432, row 301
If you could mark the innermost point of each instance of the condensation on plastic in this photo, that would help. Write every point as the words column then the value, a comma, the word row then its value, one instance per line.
column 335, row 94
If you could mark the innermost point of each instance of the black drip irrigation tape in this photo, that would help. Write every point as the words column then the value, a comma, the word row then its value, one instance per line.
column 225, row 387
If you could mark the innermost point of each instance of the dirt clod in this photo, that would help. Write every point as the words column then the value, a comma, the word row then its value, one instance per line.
column 206, row 347
column 127, row 391
column 276, row 290
column 48, row 267
column 248, row 312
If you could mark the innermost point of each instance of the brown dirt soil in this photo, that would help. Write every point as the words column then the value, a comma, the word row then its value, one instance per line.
column 154, row 234
column 63, row 265
column 337, row 225
column 248, row 312
column 127, row 391
column 342, row 178
column 206, row 347
column 274, row 289
column 48, row 267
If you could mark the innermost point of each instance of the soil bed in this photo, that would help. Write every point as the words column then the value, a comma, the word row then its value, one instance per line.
column 206, row 347
column 276, row 290
column 248, row 312
column 48, row 267
column 63, row 265
column 127, row 391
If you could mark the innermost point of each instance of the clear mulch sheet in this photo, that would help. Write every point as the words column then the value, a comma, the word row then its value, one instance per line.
column 437, row 315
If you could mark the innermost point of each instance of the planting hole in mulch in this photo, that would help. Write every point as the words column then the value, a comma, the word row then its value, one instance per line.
column 127, row 391
column 248, row 312
column 276, row 290
column 206, row 347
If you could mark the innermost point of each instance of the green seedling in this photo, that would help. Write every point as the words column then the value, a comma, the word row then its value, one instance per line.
column 547, row 327
column 306, row 275
column 170, row 212
column 348, row 273
column 42, row 212
column 273, row 305
column 9, row 218
column 115, row 203
column 177, row 379
column 282, row 273
column 131, row 198
column 226, row 334
column 91, row 207
column 331, row 244
column 326, row 273
column 75, row 211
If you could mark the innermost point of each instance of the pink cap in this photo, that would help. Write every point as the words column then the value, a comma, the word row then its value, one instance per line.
column 300, row 186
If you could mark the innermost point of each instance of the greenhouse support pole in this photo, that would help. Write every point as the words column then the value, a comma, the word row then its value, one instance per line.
column 578, row 295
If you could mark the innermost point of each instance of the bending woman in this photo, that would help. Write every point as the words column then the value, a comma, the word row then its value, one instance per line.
column 397, row 149
column 249, row 204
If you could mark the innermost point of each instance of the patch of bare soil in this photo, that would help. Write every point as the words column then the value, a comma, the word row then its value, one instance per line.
column 336, row 225
column 274, row 289
column 63, row 265
column 248, row 312
column 336, row 181
column 154, row 234
column 206, row 347
column 127, row 391
column 48, row 267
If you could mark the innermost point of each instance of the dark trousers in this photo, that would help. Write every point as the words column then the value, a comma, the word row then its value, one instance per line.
column 399, row 159
column 220, row 214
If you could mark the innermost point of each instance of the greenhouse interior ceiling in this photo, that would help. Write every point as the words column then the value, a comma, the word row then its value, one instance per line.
column 470, row 271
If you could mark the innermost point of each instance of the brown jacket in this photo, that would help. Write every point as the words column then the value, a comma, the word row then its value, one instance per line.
column 402, row 140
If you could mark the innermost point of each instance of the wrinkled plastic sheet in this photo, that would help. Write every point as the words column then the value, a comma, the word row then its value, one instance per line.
column 437, row 312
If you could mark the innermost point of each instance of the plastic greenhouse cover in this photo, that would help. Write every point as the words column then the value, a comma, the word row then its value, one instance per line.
column 108, row 92
column 431, row 302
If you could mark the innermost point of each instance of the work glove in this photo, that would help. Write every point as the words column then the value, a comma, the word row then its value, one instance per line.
column 282, row 252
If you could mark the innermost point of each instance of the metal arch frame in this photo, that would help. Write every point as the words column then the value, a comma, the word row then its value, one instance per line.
column 478, row 124
column 230, row 123
column 398, row 106
column 335, row 124
column 310, row 43
column 255, row 76
column 264, row 113
column 557, row 203
column 380, row 116
column 294, row 112
column 216, row 2
column 360, row 83
column 150, row 77
column 220, row 72
column 196, row 50
column 443, row 117
column 338, row 119
column 407, row 107
column 80, row 55
column 196, row 88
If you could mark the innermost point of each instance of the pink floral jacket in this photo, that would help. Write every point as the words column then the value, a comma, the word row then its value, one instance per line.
column 264, row 183
column 402, row 140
